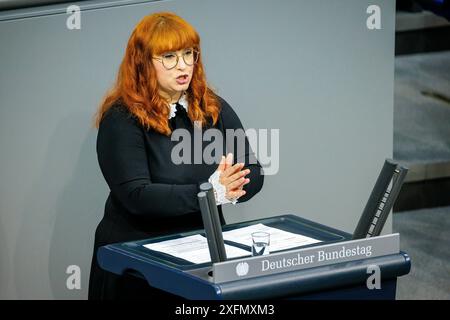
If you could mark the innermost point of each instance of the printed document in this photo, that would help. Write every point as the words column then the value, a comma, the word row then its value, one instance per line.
column 279, row 239
column 193, row 249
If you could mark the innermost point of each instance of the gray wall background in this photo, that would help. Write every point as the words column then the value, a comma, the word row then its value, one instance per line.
column 309, row 68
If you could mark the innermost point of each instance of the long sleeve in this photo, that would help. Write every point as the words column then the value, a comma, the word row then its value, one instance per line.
column 231, row 121
column 123, row 161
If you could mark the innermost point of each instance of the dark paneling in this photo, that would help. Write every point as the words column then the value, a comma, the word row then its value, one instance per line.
column 424, row 194
column 426, row 40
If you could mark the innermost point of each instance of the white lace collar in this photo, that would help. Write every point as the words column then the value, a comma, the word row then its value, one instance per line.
column 182, row 101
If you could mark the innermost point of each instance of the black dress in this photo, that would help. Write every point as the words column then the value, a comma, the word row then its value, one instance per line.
column 150, row 195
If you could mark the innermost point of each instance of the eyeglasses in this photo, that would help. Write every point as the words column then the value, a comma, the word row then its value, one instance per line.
column 170, row 59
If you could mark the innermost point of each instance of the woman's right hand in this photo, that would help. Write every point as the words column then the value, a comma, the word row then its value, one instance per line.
column 232, row 177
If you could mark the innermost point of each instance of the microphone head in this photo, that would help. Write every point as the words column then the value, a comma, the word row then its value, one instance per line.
column 206, row 186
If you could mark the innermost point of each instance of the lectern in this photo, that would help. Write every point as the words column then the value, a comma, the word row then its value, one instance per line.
column 336, row 266
column 341, row 280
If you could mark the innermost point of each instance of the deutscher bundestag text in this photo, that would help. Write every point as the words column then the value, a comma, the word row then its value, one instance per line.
column 316, row 257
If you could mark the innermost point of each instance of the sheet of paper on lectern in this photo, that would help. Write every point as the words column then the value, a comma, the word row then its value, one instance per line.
column 193, row 249
column 279, row 239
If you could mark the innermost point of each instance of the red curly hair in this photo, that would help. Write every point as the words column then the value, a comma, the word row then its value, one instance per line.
column 137, row 85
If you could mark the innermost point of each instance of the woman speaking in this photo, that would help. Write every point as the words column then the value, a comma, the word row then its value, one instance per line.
column 161, row 88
